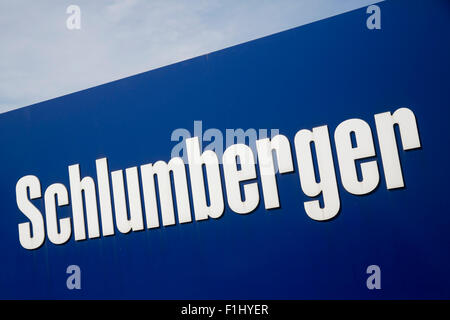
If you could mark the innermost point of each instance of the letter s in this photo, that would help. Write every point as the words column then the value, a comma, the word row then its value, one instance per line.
column 27, row 240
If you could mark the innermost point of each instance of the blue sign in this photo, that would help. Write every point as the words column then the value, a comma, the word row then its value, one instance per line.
column 310, row 164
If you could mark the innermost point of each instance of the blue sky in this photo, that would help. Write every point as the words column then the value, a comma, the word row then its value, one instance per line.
column 41, row 59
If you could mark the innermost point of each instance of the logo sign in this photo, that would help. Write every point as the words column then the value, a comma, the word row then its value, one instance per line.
column 310, row 164
column 236, row 174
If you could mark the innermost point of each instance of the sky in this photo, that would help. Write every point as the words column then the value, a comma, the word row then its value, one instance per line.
column 40, row 58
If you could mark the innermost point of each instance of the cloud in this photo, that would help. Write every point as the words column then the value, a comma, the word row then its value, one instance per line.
column 41, row 59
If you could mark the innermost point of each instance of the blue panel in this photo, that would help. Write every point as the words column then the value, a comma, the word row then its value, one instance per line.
column 322, row 73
